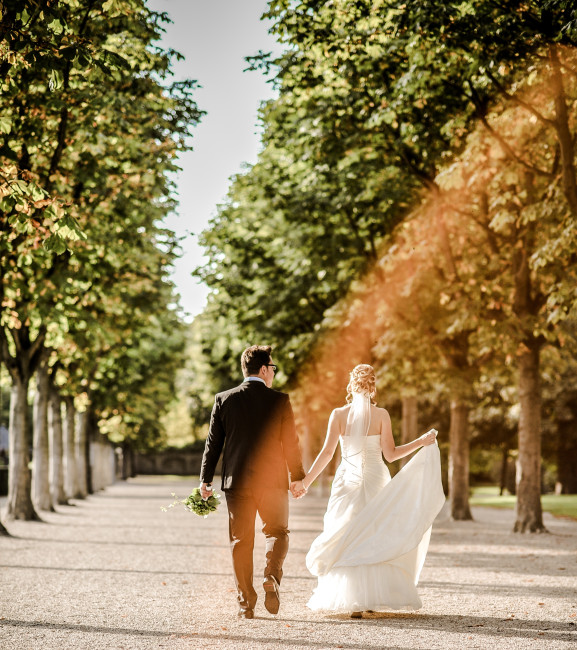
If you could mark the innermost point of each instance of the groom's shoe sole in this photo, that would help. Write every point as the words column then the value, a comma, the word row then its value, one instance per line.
column 271, row 596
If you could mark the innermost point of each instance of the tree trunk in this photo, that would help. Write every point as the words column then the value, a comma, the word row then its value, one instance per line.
column 529, row 513
column 20, row 479
column 95, row 466
column 69, row 449
column 306, row 438
column 566, row 457
column 81, row 464
column 459, row 461
column 21, row 367
column 103, row 463
column 564, row 135
column 409, row 423
column 55, row 440
column 127, row 465
column 91, row 428
column 504, row 462
column 40, row 456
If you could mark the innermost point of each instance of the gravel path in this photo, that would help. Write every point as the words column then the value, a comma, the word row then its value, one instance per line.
column 115, row 572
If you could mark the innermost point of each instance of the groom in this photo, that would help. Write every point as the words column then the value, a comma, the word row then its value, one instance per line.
column 255, row 425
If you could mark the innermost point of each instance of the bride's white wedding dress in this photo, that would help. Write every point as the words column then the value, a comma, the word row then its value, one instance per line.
column 376, row 529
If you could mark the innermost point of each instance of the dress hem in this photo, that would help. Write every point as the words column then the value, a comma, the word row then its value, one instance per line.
column 375, row 608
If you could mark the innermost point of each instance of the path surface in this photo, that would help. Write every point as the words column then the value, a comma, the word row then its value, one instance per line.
column 115, row 572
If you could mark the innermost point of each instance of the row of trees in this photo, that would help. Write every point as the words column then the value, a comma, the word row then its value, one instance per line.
column 91, row 126
column 415, row 204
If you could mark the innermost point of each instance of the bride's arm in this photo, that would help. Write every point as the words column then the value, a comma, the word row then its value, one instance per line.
column 390, row 451
column 326, row 453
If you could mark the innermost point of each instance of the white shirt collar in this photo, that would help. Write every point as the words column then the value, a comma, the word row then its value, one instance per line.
column 255, row 379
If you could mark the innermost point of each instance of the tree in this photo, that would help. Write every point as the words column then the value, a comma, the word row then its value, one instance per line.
column 376, row 102
column 106, row 129
column 468, row 52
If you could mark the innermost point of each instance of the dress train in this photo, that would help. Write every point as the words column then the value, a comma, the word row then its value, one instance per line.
column 376, row 530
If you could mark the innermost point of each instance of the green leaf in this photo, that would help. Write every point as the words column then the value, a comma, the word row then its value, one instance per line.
column 36, row 192
column 68, row 228
column 19, row 187
column 56, row 244
column 113, row 8
column 56, row 80
column 24, row 16
column 56, row 26
column 5, row 124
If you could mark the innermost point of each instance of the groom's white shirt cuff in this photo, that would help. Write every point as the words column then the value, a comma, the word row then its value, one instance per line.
column 255, row 379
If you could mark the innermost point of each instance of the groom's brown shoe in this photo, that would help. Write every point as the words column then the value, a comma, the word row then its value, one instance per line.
column 245, row 612
column 271, row 596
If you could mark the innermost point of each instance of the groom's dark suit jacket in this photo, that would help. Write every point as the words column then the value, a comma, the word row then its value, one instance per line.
column 256, row 427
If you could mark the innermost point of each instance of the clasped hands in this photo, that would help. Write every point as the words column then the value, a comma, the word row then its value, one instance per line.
column 298, row 489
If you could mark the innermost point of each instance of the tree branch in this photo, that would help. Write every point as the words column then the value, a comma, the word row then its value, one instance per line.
column 511, row 153
column 481, row 110
column 64, row 113
column 37, row 349
column 5, row 355
column 445, row 242
column 519, row 101
column 564, row 135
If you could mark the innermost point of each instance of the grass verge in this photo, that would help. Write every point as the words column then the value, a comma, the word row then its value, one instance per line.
column 560, row 505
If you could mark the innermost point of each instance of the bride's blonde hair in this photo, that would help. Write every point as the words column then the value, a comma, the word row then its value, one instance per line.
column 362, row 380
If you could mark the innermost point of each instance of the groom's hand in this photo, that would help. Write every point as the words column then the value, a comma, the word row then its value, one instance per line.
column 297, row 489
column 205, row 490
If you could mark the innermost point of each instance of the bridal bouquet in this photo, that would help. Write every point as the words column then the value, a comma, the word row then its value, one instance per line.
column 195, row 503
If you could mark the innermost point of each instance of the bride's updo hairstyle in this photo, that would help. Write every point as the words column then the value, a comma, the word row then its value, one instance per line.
column 362, row 380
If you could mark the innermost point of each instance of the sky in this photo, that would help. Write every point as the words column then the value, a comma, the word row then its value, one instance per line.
column 214, row 36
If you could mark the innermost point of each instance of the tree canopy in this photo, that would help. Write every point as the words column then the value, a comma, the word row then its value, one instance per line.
column 92, row 126
column 454, row 118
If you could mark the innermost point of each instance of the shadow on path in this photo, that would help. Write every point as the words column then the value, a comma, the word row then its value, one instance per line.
column 83, row 542
column 487, row 626
column 480, row 625
column 101, row 570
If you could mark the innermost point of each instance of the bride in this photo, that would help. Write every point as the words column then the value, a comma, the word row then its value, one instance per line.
column 376, row 529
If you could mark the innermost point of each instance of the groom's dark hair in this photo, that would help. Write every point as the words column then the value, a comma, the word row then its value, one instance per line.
column 254, row 358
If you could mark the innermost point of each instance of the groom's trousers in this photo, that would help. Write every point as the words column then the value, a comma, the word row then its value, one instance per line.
column 272, row 507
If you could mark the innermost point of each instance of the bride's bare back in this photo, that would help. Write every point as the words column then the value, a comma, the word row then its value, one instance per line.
column 379, row 417
column 380, row 425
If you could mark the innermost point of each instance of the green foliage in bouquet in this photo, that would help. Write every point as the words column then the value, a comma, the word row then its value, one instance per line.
column 195, row 503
